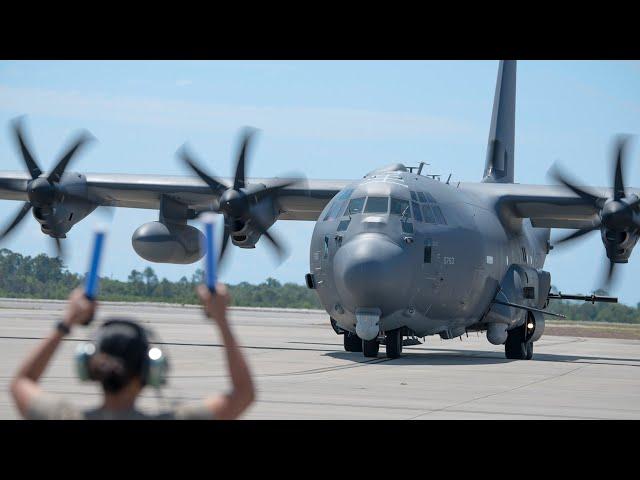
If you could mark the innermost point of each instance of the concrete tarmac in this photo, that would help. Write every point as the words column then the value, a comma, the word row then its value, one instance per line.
column 302, row 372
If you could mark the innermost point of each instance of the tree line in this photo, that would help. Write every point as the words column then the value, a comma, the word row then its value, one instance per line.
column 47, row 277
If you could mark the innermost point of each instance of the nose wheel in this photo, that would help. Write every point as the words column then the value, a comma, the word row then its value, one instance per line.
column 370, row 348
column 352, row 343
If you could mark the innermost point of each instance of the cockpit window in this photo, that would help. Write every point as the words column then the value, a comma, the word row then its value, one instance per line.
column 377, row 205
column 343, row 225
column 355, row 205
column 429, row 197
column 344, row 194
column 416, row 211
column 400, row 207
column 414, row 197
column 407, row 227
column 339, row 202
column 438, row 213
column 334, row 210
column 421, row 197
column 428, row 215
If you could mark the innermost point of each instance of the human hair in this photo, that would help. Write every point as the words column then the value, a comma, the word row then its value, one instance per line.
column 109, row 371
column 121, row 354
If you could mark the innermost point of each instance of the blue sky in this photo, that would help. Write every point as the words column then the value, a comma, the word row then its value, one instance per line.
column 326, row 119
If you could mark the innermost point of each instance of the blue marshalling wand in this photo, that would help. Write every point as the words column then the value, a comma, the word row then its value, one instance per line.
column 211, row 256
column 92, row 279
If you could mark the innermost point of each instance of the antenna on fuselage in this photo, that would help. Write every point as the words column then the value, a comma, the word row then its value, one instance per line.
column 422, row 164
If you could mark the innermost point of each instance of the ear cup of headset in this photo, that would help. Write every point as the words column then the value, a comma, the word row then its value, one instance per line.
column 157, row 368
column 84, row 352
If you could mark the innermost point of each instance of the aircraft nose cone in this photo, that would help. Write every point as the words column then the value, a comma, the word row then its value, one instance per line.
column 372, row 271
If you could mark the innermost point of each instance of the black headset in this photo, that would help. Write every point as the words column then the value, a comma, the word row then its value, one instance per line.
column 155, row 365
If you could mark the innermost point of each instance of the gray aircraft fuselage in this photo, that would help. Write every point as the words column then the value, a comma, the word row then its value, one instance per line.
column 432, row 272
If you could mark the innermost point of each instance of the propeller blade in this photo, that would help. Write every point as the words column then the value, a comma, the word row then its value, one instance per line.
column 59, row 248
column 609, row 271
column 217, row 187
column 271, row 191
column 61, row 166
column 106, row 212
column 239, row 180
column 574, row 235
column 18, row 218
column 586, row 196
column 225, row 241
column 28, row 158
column 618, row 180
column 612, row 266
column 280, row 250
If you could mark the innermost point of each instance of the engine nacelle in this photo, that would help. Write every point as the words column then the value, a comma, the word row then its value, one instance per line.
column 168, row 243
column 65, row 212
column 618, row 244
column 247, row 236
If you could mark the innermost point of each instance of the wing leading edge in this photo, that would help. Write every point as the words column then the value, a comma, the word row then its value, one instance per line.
column 304, row 200
column 547, row 206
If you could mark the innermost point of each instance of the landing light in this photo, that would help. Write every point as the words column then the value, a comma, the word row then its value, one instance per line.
column 530, row 325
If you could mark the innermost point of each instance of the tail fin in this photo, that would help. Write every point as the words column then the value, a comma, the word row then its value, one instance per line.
column 500, row 150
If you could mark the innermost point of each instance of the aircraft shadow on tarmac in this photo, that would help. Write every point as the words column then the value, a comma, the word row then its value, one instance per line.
column 443, row 356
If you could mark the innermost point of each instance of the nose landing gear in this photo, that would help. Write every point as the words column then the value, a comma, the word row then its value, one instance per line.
column 370, row 348
column 352, row 343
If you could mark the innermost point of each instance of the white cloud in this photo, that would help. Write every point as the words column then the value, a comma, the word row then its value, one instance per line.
column 325, row 123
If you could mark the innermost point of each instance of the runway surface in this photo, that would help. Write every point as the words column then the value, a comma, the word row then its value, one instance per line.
column 302, row 372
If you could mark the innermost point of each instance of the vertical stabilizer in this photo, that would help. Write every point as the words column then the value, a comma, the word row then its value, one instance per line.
column 500, row 150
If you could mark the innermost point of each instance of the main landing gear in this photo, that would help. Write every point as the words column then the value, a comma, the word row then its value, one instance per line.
column 517, row 346
column 393, row 343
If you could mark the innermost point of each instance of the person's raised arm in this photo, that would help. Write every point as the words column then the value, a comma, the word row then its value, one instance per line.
column 24, row 386
column 231, row 405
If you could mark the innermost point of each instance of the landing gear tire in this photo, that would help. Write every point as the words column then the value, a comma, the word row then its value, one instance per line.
column 529, row 351
column 516, row 347
column 370, row 348
column 393, row 343
column 352, row 342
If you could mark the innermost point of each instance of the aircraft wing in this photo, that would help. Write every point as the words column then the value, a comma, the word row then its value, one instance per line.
column 550, row 206
column 304, row 200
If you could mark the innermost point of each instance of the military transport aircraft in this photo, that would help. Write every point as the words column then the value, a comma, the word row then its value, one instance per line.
column 395, row 256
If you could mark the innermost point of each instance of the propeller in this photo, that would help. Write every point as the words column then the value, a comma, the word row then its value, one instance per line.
column 43, row 192
column 615, row 214
column 235, row 202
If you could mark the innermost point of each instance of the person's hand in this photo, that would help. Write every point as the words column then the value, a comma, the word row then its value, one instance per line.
column 215, row 305
column 79, row 309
